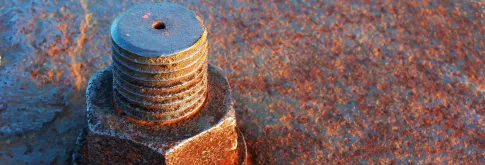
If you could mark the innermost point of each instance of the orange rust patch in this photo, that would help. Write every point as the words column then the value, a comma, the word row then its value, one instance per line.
column 216, row 146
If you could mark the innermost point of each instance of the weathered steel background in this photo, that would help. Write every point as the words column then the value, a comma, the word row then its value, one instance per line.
column 361, row 81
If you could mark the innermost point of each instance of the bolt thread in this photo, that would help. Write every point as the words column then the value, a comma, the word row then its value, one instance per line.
column 163, row 88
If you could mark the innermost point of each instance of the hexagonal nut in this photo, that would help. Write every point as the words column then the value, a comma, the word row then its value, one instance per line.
column 209, row 136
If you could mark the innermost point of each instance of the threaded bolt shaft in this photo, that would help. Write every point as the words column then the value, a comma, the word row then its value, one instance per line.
column 159, row 57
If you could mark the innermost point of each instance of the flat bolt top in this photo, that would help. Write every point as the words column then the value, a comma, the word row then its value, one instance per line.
column 156, row 29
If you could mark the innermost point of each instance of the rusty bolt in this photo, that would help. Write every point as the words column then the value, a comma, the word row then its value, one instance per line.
column 160, row 102
column 159, row 62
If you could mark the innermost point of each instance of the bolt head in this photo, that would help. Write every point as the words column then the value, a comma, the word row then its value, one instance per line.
column 208, row 137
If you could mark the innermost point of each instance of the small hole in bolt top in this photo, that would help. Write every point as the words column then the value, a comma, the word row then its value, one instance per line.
column 158, row 25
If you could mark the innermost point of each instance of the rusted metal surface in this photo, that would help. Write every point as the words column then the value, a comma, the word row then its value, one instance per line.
column 159, row 57
column 360, row 81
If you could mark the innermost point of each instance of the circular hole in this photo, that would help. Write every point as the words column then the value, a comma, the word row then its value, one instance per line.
column 158, row 25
